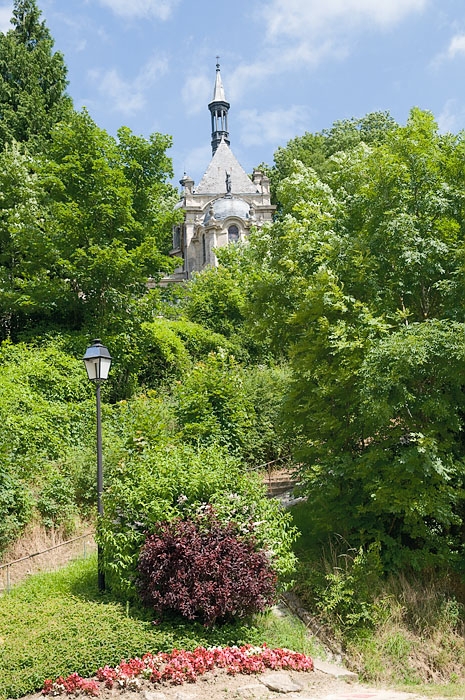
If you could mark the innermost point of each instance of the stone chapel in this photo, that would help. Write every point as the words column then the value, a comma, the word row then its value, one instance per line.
column 224, row 205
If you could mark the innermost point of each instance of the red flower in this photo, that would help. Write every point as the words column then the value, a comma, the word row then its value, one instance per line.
column 181, row 667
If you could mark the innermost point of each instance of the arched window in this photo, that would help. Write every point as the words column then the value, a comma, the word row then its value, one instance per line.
column 233, row 234
column 204, row 249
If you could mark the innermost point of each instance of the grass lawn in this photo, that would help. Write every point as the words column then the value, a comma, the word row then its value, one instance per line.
column 57, row 623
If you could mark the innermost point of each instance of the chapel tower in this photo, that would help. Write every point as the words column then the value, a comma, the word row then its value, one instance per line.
column 225, row 204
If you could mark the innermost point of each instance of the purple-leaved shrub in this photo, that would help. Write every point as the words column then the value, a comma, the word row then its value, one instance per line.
column 201, row 569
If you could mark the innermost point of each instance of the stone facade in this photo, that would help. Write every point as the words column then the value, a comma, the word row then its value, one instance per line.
column 225, row 204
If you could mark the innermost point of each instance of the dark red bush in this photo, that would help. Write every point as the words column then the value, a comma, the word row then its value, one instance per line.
column 203, row 570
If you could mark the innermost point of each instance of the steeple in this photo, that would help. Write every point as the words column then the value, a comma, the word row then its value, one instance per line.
column 219, row 112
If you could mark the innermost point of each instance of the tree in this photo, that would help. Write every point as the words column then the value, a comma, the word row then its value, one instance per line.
column 147, row 166
column 315, row 150
column 215, row 299
column 29, row 288
column 107, row 242
column 360, row 283
column 33, row 78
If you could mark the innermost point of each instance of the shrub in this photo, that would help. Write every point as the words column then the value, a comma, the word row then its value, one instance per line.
column 165, row 356
column 201, row 569
column 155, row 483
column 239, row 407
column 15, row 506
column 215, row 299
column 211, row 404
column 350, row 597
column 200, row 341
column 56, row 501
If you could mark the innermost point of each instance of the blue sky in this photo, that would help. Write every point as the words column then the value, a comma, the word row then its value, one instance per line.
column 288, row 66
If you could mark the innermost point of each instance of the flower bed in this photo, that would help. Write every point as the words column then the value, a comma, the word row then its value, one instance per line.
column 180, row 667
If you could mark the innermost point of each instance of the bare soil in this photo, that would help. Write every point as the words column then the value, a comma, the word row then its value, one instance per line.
column 219, row 685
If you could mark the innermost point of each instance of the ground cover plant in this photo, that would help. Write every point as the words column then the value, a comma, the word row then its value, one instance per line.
column 58, row 624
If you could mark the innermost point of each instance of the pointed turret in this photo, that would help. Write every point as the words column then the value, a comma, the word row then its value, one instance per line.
column 219, row 111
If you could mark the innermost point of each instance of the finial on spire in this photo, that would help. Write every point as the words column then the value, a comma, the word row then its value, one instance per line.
column 217, row 63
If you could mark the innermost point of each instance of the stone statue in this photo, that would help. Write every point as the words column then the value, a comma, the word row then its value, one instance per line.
column 228, row 182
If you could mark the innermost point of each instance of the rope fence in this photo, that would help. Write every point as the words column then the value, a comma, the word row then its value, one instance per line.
column 6, row 569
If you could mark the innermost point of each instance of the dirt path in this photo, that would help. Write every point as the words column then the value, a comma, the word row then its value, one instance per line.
column 271, row 685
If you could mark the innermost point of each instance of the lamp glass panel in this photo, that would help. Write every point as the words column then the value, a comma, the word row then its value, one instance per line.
column 105, row 364
column 92, row 367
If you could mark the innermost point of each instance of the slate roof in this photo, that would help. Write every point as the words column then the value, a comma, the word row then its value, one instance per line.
column 214, row 180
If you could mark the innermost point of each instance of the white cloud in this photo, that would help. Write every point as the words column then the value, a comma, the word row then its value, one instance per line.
column 452, row 117
column 306, row 32
column 276, row 126
column 456, row 46
column 277, row 61
column 197, row 91
column 6, row 12
column 125, row 97
column 160, row 9
column 128, row 96
column 300, row 18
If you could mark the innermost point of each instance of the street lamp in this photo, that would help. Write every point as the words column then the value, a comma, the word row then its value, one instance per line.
column 98, row 361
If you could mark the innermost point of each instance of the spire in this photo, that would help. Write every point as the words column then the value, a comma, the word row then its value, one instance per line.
column 219, row 112
column 218, row 90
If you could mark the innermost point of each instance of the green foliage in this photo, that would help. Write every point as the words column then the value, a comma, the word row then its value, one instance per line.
column 349, row 599
column 145, row 422
column 215, row 300
column 15, row 505
column 79, row 240
column 266, row 438
column 199, row 341
column 56, row 502
column 151, row 483
column 359, row 282
column 211, row 403
column 33, row 79
column 46, row 416
column 164, row 353
column 147, row 167
column 221, row 401
column 28, row 288
column 37, row 391
column 106, row 247
column 315, row 150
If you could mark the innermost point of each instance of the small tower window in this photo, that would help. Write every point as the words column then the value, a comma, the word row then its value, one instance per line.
column 233, row 234
column 204, row 249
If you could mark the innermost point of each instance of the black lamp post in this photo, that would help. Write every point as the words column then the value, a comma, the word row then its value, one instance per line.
column 98, row 362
